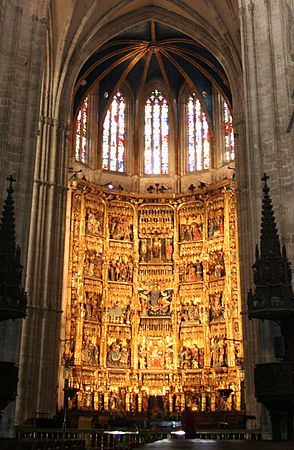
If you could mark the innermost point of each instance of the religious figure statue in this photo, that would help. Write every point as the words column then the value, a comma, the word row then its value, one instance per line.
column 143, row 250
column 216, row 223
column 93, row 223
column 114, row 353
column 93, row 263
column 156, row 303
column 218, row 352
column 156, row 248
column 216, row 307
column 185, row 357
column 142, row 356
column 168, row 250
column 216, row 264
column 118, row 354
column 193, row 271
column 90, row 350
column 121, row 269
column 120, row 229
column 196, row 231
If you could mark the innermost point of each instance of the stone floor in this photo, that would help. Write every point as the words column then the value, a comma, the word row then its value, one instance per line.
column 198, row 444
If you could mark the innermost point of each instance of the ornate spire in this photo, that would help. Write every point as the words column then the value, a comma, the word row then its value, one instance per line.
column 12, row 297
column 7, row 226
column 273, row 297
column 269, row 239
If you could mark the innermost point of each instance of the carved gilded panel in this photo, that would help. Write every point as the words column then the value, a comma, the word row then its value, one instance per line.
column 154, row 310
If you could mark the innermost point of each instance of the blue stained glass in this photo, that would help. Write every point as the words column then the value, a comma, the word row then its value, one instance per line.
column 81, row 133
column 121, row 137
column 229, row 134
column 105, row 141
column 198, row 136
column 164, row 131
column 156, row 135
column 148, row 138
column 113, row 137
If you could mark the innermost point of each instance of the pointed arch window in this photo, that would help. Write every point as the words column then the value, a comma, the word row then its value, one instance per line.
column 81, row 138
column 156, row 135
column 113, row 136
column 228, row 134
column 198, row 136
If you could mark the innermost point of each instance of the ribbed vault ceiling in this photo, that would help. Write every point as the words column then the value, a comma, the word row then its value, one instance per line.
column 109, row 43
column 146, row 52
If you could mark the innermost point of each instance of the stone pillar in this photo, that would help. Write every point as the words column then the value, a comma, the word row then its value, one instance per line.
column 266, row 147
column 23, row 29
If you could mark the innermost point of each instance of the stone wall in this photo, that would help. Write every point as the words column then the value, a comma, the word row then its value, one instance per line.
column 22, row 28
column 34, row 148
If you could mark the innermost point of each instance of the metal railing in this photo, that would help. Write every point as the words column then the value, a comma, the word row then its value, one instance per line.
column 59, row 439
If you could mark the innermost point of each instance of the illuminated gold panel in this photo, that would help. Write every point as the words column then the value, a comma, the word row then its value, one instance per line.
column 154, row 300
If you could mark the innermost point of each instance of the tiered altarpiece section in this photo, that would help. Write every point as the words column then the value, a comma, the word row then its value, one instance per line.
column 154, row 314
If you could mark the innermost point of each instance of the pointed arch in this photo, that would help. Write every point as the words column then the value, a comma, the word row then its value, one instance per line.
column 113, row 135
column 156, row 134
column 229, row 140
column 198, row 136
column 81, row 133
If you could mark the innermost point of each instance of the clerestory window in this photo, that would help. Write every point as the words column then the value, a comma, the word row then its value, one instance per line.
column 198, row 136
column 81, row 130
column 156, row 135
column 113, row 135
column 228, row 134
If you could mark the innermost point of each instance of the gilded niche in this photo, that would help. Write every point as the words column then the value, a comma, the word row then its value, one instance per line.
column 155, row 302
column 154, row 311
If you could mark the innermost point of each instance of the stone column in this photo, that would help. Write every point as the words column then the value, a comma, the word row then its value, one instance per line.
column 266, row 147
column 22, row 29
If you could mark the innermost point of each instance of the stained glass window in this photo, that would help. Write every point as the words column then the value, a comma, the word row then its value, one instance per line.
column 198, row 136
column 113, row 138
column 81, row 133
column 229, row 134
column 156, row 135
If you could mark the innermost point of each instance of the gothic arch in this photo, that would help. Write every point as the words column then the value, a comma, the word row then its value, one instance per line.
column 54, row 146
column 230, row 60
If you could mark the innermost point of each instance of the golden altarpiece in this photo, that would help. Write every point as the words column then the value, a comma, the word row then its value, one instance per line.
column 153, row 310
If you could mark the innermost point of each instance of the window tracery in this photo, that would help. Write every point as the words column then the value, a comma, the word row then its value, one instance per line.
column 228, row 134
column 156, row 135
column 113, row 135
column 81, row 133
column 198, row 152
column 198, row 136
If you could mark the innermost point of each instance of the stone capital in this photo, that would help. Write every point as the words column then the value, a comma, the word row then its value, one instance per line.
column 241, row 11
column 250, row 7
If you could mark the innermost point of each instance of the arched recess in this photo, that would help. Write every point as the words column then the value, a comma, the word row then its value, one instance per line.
column 185, row 93
column 50, row 207
column 129, row 128
column 151, row 86
column 215, row 43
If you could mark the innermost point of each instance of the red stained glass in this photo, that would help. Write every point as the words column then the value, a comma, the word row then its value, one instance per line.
column 198, row 136
column 81, row 141
column 156, row 135
column 228, row 134
column 113, row 138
